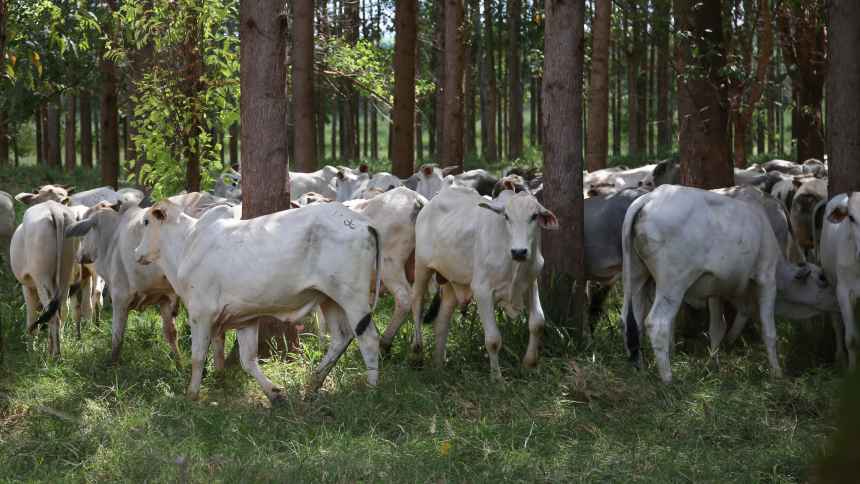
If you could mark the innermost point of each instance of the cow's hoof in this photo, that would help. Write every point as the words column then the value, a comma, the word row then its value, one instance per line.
column 193, row 396
column 277, row 398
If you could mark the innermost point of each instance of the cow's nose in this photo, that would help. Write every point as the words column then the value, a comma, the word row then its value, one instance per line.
column 519, row 254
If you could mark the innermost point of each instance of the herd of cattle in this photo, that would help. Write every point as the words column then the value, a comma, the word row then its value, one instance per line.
column 350, row 233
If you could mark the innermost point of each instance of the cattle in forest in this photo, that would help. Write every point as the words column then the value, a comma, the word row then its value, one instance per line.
column 7, row 223
column 431, row 179
column 688, row 245
column 230, row 273
column 489, row 250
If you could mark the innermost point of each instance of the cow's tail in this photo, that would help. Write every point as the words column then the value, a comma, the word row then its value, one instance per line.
column 818, row 226
column 375, row 234
column 633, row 267
column 59, row 285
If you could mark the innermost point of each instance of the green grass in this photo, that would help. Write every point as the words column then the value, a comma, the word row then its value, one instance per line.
column 583, row 416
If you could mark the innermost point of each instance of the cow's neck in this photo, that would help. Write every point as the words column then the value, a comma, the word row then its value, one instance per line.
column 175, row 238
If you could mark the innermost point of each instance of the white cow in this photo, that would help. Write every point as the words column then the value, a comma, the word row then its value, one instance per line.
column 683, row 244
column 110, row 235
column 489, row 249
column 431, row 178
column 632, row 178
column 230, row 272
column 229, row 185
column 7, row 223
column 57, row 193
column 840, row 257
column 353, row 185
column 393, row 213
column 321, row 181
column 42, row 260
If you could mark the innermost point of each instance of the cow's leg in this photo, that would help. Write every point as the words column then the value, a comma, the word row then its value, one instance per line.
column 738, row 325
column 218, row 338
column 536, row 324
column 368, row 340
column 201, row 334
column 86, row 295
column 717, row 329
column 659, row 323
column 246, row 338
column 839, row 335
column 766, row 299
column 341, row 336
column 119, row 319
column 31, row 298
column 168, row 324
column 492, row 337
column 54, row 327
column 846, row 305
column 422, row 277
column 442, row 324
column 402, row 292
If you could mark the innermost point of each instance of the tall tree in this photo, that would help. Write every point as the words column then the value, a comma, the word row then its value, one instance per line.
column 109, row 110
column 51, row 134
column 452, row 138
column 664, row 83
column 71, row 147
column 403, row 138
column 597, row 149
column 803, row 38
column 633, row 33
column 562, row 150
column 262, row 104
column 192, row 85
column 515, row 84
column 304, row 143
column 705, row 160
column 843, row 97
column 349, row 125
column 86, row 110
column 438, row 61
column 4, row 117
column 489, row 100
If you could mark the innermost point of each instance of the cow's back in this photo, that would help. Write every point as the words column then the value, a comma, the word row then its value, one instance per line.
column 604, row 218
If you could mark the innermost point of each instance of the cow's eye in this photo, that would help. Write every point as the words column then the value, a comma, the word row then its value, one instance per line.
column 506, row 217
column 145, row 222
column 534, row 217
column 851, row 218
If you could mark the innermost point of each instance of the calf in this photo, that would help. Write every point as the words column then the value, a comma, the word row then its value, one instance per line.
column 109, row 240
column 229, row 273
column 489, row 249
column 42, row 261
column 688, row 245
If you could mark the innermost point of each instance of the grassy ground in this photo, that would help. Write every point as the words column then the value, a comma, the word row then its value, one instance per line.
column 584, row 415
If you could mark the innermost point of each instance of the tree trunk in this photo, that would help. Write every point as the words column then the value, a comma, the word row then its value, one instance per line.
column 265, row 141
column 843, row 97
column 303, row 86
column 489, row 103
column 71, row 148
column 664, row 83
column 633, row 55
column 403, row 137
column 705, row 160
column 40, row 144
column 598, row 110
column 439, row 68
column 470, row 147
column 452, row 139
column 192, row 86
column 234, row 145
column 52, row 136
column 4, row 129
column 86, row 131
column 564, row 271
column 109, row 114
column 349, row 127
column 515, row 84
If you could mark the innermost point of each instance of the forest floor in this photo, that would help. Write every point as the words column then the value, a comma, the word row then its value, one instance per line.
column 583, row 416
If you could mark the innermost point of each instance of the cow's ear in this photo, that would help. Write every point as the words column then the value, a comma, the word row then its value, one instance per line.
column 25, row 198
column 547, row 220
column 116, row 206
column 66, row 201
column 340, row 175
column 838, row 214
column 427, row 170
column 491, row 206
column 79, row 229
column 159, row 213
column 70, row 190
column 294, row 204
column 363, row 168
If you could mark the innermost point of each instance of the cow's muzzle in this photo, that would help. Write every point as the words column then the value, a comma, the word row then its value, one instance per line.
column 519, row 254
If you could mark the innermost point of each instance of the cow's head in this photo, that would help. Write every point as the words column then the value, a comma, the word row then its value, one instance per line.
column 349, row 181
column 96, row 222
column 57, row 193
column 524, row 217
column 847, row 211
column 431, row 177
column 156, row 217
column 229, row 185
column 807, row 285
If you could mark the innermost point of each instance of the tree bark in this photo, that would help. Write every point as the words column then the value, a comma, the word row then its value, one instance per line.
column 234, row 145
column 597, row 150
column 403, row 138
column 705, row 160
column 439, row 73
column 70, row 141
column 86, row 130
column 634, row 59
column 470, row 146
column 303, row 86
column 349, row 125
column 489, row 102
column 4, row 116
column 40, row 152
column 109, row 114
column 664, row 83
column 564, row 271
column 265, row 141
column 52, row 136
column 452, row 139
column 515, row 84
column 843, row 97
